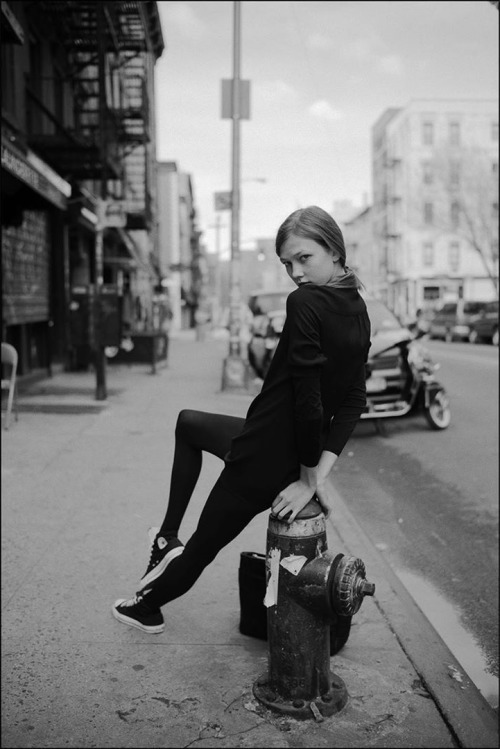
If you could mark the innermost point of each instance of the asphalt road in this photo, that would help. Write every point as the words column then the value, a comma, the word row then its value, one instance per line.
column 429, row 500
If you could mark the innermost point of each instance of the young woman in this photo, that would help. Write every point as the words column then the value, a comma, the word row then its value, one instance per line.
column 280, row 455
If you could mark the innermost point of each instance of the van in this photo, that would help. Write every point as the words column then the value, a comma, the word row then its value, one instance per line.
column 451, row 321
column 484, row 327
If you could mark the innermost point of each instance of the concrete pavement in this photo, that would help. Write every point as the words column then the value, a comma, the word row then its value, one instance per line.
column 81, row 483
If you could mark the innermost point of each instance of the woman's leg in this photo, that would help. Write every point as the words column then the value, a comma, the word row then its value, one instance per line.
column 224, row 516
column 195, row 432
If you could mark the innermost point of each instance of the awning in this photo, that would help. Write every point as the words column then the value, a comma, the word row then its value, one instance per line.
column 31, row 171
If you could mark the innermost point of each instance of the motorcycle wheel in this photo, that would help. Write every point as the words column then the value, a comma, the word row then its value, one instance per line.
column 438, row 413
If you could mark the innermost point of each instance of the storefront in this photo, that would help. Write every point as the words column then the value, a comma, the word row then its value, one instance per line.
column 34, row 257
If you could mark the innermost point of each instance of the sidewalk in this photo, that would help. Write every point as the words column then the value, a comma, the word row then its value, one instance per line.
column 80, row 487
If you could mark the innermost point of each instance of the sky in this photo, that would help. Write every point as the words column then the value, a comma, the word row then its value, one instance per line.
column 321, row 74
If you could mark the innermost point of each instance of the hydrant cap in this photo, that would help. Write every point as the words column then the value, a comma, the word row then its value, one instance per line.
column 350, row 586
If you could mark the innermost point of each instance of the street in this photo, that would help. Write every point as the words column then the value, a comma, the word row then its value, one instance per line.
column 429, row 501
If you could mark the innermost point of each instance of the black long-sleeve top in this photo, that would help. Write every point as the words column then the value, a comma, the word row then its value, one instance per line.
column 313, row 394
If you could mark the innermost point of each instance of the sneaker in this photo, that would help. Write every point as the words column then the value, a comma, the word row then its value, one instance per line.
column 163, row 550
column 136, row 613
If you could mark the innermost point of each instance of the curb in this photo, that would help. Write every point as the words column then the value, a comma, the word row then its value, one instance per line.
column 440, row 672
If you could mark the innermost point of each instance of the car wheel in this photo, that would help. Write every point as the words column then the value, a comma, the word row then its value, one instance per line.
column 494, row 338
column 473, row 337
column 438, row 413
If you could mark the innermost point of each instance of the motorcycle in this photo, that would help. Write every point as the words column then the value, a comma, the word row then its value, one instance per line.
column 401, row 380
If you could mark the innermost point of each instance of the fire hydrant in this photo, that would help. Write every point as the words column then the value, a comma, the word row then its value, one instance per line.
column 306, row 586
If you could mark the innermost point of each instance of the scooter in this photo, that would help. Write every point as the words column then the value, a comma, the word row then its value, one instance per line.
column 401, row 380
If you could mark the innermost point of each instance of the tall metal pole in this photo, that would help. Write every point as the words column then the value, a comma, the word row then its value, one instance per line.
column 234, row 326
column 235, row 373
column 99, row 354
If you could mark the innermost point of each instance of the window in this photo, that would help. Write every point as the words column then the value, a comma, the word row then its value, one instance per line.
column 494, row 131
column 494, row 211
column 454, row 256
column 455, row 214
column 427, row 172
column 8, row 77
column 454, row 133
column 428, row 213
column 428, row 133
column 428, row 254
column 494, row 169
column 454, row 174
column 431, row 293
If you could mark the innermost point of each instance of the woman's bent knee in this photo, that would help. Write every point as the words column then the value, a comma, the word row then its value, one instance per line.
column 187, row 420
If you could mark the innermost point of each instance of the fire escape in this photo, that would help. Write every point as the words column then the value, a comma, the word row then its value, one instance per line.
column 92, row 123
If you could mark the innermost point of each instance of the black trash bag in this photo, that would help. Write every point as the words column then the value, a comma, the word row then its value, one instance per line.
column 253, row 613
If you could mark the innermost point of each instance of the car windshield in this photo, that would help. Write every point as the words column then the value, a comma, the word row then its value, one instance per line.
column 381, row 318
column 473, row 308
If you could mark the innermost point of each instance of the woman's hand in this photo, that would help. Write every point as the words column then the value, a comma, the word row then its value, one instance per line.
column 325, row 498
column 292, row 500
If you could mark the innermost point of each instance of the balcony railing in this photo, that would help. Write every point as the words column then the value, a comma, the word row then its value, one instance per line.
column 74, row 151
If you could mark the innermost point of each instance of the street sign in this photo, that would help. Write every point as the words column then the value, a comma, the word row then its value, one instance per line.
column 227, row 99
column 223, row 201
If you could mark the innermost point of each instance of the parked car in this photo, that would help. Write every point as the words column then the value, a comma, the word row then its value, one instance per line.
column 484, row 326
column 451, row 322
column 263, row 301
column 400, row 373
column 265, row 334
column 266, row 330
column 268, row 309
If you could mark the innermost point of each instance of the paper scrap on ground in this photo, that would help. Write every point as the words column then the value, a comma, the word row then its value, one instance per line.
column 271, row 597
column 293, row 563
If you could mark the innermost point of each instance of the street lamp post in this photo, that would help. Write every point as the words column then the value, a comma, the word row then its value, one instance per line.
column 235, row 375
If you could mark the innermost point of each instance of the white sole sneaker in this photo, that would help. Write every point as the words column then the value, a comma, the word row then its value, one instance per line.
column 154, row 629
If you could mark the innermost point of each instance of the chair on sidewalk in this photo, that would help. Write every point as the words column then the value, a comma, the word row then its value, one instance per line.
column 9, row 369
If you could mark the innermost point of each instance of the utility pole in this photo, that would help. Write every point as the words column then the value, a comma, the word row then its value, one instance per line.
column 235, row 375
column 99, row 354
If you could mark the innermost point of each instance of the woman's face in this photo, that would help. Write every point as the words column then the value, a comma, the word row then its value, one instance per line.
column 306, row 261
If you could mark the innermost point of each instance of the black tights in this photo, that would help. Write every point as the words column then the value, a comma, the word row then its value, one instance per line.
column 224, row 515
column 195, row 432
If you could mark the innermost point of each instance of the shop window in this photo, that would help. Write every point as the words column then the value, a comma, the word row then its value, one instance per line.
column 431, row 293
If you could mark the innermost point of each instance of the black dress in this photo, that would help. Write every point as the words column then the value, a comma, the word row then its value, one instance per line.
column 312, row 396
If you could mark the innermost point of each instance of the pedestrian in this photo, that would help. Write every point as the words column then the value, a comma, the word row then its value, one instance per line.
column 279, row 456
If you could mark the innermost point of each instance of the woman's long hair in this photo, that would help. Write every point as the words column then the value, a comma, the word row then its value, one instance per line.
column 316, row 224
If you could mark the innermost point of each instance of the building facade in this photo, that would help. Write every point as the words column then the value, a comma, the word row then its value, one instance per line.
column 181, row 254
column 78, row 175
column 435, row 203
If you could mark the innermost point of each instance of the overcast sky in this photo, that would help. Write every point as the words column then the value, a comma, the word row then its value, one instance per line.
column 321, row 73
